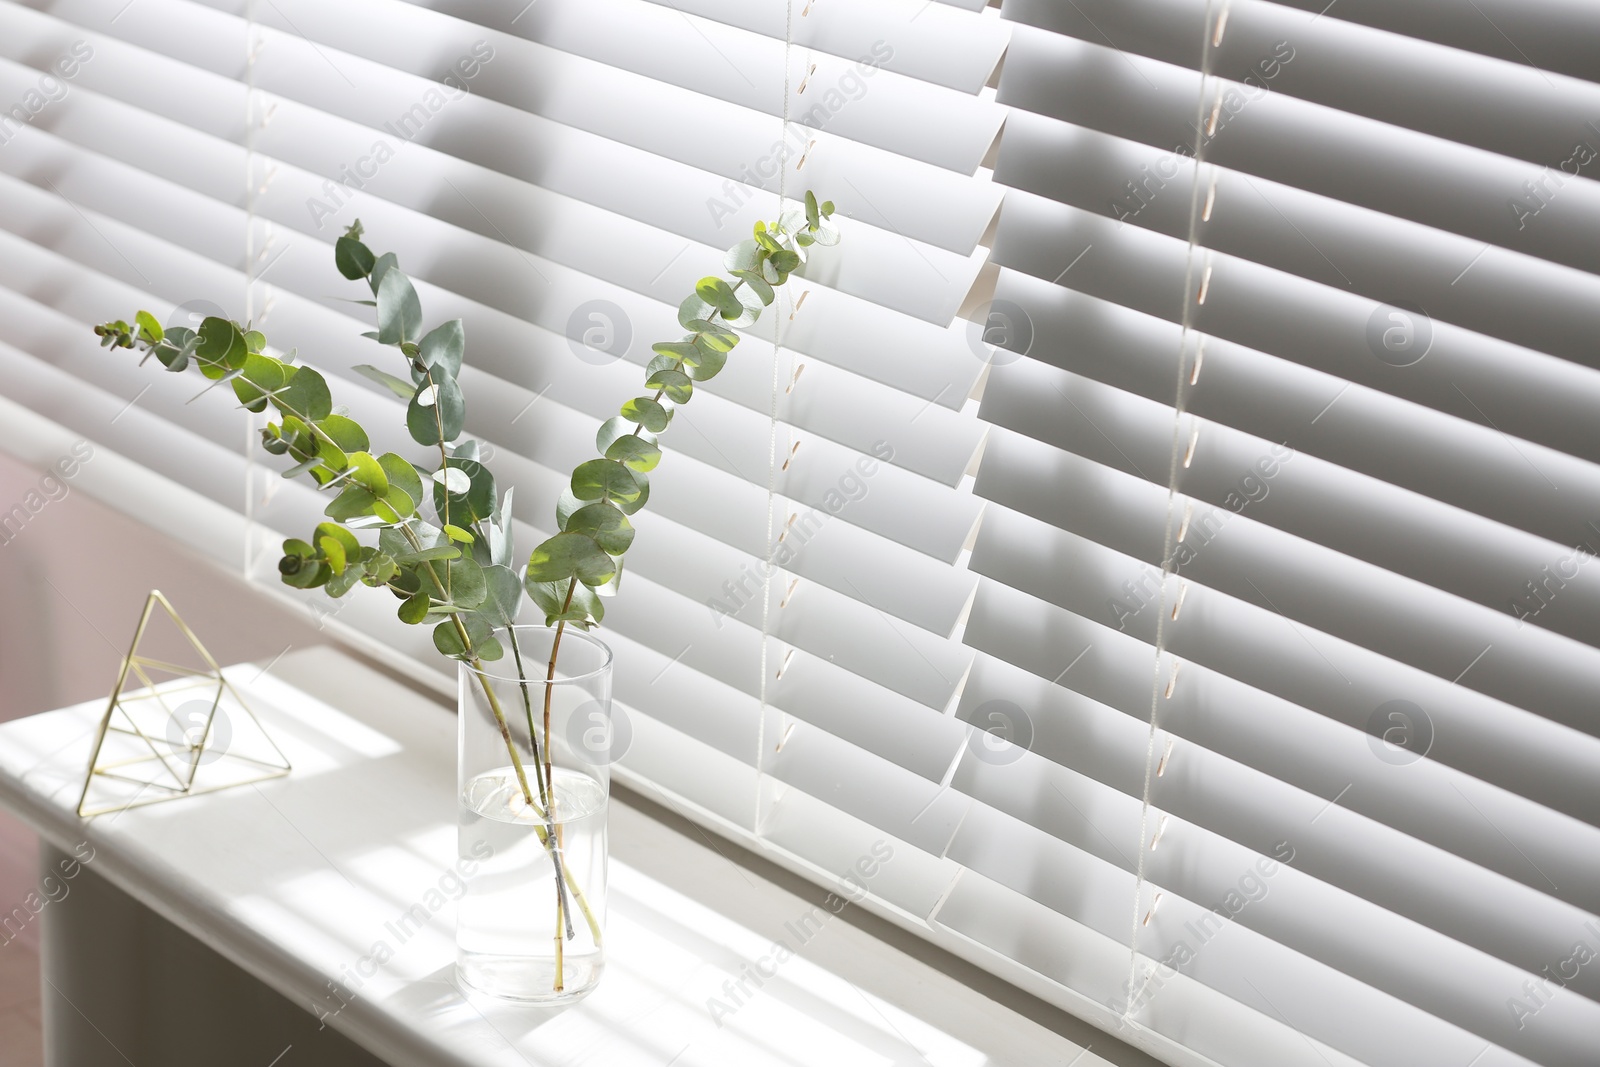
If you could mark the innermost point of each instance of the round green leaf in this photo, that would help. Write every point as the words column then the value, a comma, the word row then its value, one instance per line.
column 757, row 285
column 609, row 527
column 604, row 478
column 453, row 479
column 504, row 599
column 403, row 477
column 305, row 576
column 635, row 451
column 675, row 349
column 706, row 364
column 404, row 580
column 457, row 582
column 475, row 503
column 767, row 242
column 221, row 347
column 334, row 551
column 174, row 351
column 747, row 316
column 384, row 512
column 261, row 375
column 436, row 554
column 641, row 485
column 586, row 599
column 648, row 413
column 345, row 538
column 381, row 570
column 447, row 639
column 341, row 582
column 333, row 458
column 414, row 609
column 716, row 337
column 744, row 256
column 614, row 427
column 296, row 547
column 346, row 433
column 565, row 506
column 368, row 473
column 306, row 396
column 447, row 407
column 576, row 604
column 353, row 502
column 570, row 555
column 660, row 363
column 720, row 295
column 694, row 310
column 550, row 597
column 149, row 329
column 674, row 383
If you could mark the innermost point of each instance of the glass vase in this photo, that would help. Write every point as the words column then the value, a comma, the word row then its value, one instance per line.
column 535, row 782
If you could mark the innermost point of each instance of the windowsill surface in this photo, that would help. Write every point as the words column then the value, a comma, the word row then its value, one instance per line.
column 304, row 880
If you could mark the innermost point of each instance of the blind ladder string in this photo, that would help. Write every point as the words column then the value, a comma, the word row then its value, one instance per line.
column 1211, row 36
column 252, row 44
column 772, row 438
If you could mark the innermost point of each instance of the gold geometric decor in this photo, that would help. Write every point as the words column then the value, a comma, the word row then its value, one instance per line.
column 187, row 731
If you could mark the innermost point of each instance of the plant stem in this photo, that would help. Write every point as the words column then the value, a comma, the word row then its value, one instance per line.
column 527, row 708
column 546, row 838
column 547, row 792
column 549, row 683
column 548, row 778
column 549, row 772
column 561, row 968
column 564, row 879
column 550, row 836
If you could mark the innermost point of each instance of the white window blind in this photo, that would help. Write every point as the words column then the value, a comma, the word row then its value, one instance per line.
column 1249, row 515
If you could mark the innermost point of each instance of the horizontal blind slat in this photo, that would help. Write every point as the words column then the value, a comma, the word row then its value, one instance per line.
column 1450, row 187
column 1491, row 291
column 1500, row 104
column 1475, row 378
column 1465, row 464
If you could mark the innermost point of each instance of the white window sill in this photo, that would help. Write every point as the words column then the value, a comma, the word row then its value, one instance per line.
column 304, row 879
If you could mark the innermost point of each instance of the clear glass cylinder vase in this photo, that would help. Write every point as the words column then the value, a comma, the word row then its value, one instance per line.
column 535, row 783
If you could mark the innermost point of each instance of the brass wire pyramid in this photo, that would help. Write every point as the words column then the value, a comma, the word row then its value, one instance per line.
column 171, row 738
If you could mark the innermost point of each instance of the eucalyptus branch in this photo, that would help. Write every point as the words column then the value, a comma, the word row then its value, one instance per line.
column 461, row 568
column 592, row 515
column 569, row 573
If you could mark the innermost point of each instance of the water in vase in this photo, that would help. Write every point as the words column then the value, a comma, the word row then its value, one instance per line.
column 506, row 939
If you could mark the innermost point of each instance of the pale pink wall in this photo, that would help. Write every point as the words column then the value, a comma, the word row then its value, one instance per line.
column 72, row 583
